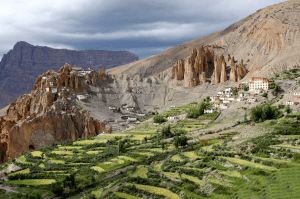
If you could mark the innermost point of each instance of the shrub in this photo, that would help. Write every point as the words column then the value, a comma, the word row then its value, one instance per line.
column 296, row 156
column 261, row 113
column 159, row 119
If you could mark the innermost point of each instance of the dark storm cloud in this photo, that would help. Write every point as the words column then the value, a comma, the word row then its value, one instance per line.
column 141, row 26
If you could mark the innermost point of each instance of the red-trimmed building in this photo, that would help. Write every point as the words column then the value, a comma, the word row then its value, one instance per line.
column 259, row 83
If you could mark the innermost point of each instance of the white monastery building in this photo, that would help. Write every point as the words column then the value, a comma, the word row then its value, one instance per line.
column 259, row 83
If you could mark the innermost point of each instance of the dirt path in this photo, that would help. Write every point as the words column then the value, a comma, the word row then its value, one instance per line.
column 8, row 189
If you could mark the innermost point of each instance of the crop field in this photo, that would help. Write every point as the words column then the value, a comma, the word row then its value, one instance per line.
column 19, row 172
column 159, row 150
column 191, row 154
column 97, row 193
column 87, row 142
column 217, row 167
column 250, row 164
column 287, row 146
column 126, row 196
column 177, row 158
column 140, row 172
column 36, row 182
column 234, row 174
column 157, row 190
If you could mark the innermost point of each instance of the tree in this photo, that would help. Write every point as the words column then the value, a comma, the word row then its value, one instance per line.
column 42, row 155
column 207, row 99
column 145, row 139
column 265, row 95
column 163, row 146
column 235, row 91
column 288, row 109
column 166, row 132
column 158, row 119
column 57, row 188
column 245, row 116
column 246, row 88
column 176, row 142
column 183, row 140
column 261, row 113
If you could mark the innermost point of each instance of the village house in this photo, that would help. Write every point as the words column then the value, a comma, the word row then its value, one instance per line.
column 228, row 90
column 216, row 105
column 209, row 110
column 251, row 100
column 112, row 108
column 131, row 119
column 292, row 103
column 296, row 93
column 130, row 108
column 51, row 83
column 141, row 115
column 223, row 106
column 242, row 85
column 225, row 101
column 230, row 98
column 81, row 97
column 44, row 78
column 220, row 92
column 172, row 106
column 259, row 83
column 171, row 118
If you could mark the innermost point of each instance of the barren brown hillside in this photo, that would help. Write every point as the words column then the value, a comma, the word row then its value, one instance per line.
column 267, row 41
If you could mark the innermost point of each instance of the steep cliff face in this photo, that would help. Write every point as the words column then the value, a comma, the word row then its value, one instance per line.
column 46, row 115
column 21, row 65
column 194, row 69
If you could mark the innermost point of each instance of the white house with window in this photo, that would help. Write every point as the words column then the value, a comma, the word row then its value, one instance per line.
column 112, row 108
column 51, row 83
column 223, row 106
column 296, row 93
column 173, row 106
column 290, row 103
column 81, row 97
column 251, row 100
column 259, row 83
column 209, row 110
column 132, row 119
column 171, row 118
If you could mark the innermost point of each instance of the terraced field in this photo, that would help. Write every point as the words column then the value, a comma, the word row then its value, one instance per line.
column 128, row 166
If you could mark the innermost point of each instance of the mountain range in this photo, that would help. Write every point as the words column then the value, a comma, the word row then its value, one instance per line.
column 20, row 67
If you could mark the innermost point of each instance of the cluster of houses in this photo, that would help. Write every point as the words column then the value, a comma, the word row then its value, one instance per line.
column 81, row 72
column 257, row 85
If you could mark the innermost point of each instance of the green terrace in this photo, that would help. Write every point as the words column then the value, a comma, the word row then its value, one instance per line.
column 164, row 164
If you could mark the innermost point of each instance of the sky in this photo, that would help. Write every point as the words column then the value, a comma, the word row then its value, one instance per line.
column 143, row 27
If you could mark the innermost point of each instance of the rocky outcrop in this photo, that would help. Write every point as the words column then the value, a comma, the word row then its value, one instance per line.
column 223, row 77
column 194, row 67
column 20, row 67
column 233, row 71
column 46, row 116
